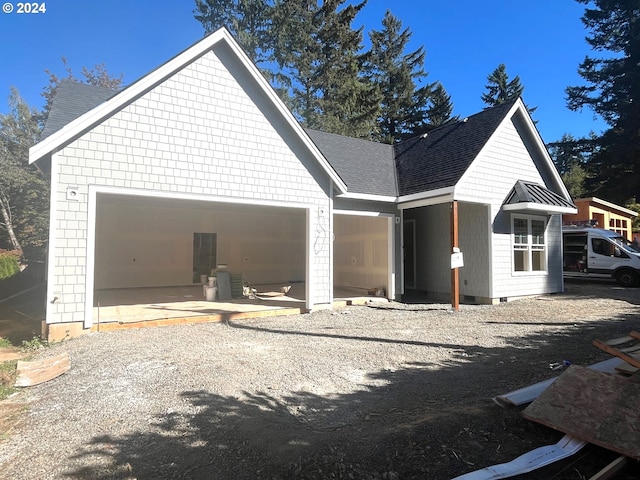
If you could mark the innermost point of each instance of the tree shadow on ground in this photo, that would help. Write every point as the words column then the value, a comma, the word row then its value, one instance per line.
column 419, row 421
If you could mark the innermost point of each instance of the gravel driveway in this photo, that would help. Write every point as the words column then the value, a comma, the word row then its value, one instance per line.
column 389, row 392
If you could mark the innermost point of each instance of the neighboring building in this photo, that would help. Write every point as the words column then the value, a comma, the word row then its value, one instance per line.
column 203, row 149
column 602, row 214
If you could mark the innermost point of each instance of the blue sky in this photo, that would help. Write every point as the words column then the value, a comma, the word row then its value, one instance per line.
column 541, row 41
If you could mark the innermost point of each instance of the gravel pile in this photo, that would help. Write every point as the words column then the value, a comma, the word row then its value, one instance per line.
column 383, row 391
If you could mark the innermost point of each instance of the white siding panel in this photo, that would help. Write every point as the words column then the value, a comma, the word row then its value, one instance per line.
column 504, row 161
column 200, row 133
column 473, row 221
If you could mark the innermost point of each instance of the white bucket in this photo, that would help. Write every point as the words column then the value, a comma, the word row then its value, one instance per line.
column 212, row 281
column 203, row 279
column 210, row 294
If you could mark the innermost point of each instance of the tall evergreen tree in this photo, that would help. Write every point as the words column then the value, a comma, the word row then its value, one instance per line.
column 613, row 92
column 571, row 157
column 440, row 109
column 403, row 105
column 501, row 90
column 318, row 50
column 247, row 20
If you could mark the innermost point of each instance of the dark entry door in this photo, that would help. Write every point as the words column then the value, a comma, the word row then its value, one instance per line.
column 204, row 254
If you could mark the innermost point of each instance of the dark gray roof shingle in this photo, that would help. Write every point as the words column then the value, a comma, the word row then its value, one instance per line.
column 71, row 100
column 418, row 165
column 440, row 158
column 366, row 167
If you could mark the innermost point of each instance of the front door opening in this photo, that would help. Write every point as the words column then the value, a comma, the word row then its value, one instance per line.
column 204, row 254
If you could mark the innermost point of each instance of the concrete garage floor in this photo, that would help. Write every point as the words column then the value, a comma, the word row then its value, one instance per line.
column 147, row 307
column 21, row 317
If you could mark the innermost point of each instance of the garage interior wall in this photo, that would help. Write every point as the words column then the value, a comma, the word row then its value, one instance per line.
column 145, row 243
column 433, row 255
column 361, row 251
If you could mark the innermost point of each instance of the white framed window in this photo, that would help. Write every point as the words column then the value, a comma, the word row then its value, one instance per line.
column 529, row 244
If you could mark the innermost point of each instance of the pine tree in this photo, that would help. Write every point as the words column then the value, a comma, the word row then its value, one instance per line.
column 403, row 106
column 613, row 92
column 247, row 20
column 318, row 51
column 571, row 158
column 440, row 109
column 501, row 90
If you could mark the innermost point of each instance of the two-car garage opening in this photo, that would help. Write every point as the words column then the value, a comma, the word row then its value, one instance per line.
column 146, row 243
column 149, row 242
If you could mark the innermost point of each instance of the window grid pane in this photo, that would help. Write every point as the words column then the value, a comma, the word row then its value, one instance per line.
column 520, row 231
column 537, row 232
column 529, row 251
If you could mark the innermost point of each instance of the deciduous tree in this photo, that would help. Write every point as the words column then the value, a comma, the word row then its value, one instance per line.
column 23, row 189
column 97, row 76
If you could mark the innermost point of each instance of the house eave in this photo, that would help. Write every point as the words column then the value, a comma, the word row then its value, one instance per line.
column 425, row 199
column 536, row 208
column 368, row 197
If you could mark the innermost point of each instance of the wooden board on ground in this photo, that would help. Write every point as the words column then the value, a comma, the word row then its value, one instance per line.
column 40, row 371
column 625, row 348
column 597, row 407
column 10, row 354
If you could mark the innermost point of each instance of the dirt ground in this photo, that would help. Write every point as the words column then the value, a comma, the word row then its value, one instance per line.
column 398, row 391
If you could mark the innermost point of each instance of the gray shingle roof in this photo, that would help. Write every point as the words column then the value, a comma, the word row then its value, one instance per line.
column 417, row 165
column 73, row 99
column 366, row 167
column 440, row 158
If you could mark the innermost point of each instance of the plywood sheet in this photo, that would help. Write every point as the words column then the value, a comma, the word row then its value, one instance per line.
column 597, row 407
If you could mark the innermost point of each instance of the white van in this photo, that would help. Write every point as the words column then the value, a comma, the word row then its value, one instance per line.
column 594, row 252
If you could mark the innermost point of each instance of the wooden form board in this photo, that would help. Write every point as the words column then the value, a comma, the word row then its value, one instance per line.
column 597, row 407
column 40, row 371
